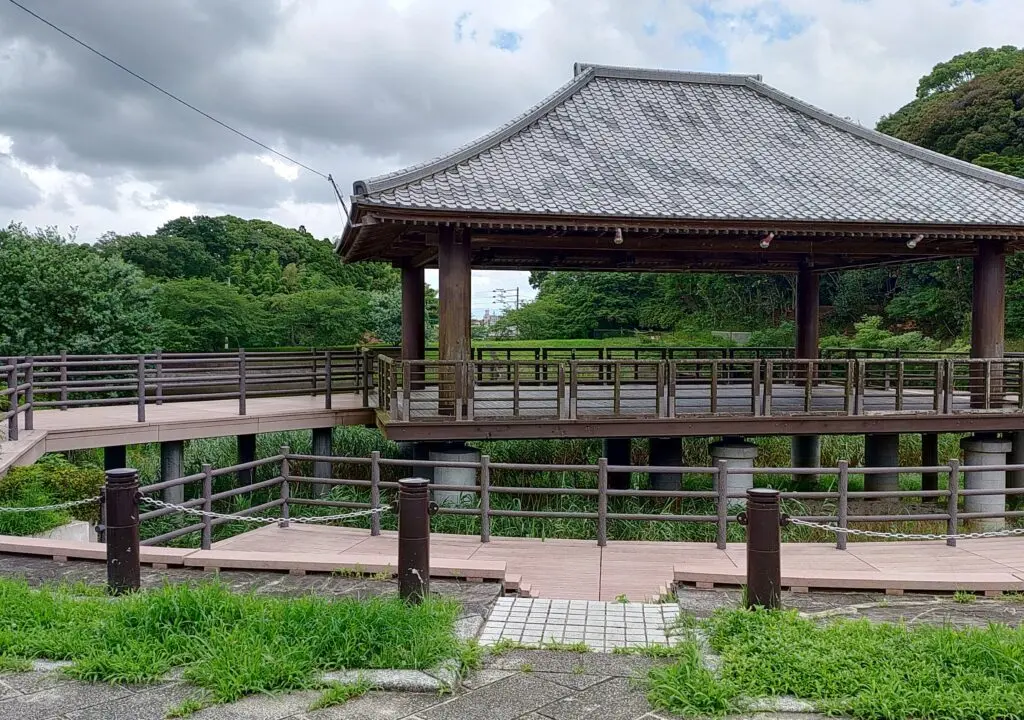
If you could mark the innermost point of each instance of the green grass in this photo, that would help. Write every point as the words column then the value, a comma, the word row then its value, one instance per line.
column 852, row 667
column 964, row 598
column 339, row 693
column 230, row 645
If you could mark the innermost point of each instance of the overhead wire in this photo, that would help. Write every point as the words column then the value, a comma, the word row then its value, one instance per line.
column 187, row 104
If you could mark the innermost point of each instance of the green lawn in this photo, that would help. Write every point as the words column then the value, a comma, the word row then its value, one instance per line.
column 867, row 671
column 230, row 645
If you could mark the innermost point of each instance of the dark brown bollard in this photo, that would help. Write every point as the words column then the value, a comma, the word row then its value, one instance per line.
column 413, row 539
column 764, row 557
column 122, row 530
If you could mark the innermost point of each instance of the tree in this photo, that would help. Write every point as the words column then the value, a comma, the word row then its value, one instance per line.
column 320, row 318
column 972, row 109
column 64, row 296
column 167, row 257
column 963, row 68
column 205, row 316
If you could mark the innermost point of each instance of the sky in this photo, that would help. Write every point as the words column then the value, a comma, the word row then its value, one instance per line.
column 357, row 88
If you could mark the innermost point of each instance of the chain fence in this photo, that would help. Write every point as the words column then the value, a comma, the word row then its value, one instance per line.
column 48, row 508
column 907, row 536
column 256, row 519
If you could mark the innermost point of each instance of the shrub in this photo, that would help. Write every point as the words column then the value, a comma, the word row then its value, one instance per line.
column 50, row 481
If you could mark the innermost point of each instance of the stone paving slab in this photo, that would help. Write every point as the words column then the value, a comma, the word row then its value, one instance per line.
column 602, row 626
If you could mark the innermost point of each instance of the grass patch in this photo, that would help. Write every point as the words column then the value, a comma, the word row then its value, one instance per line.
column 964, row 598
column 853, row 667
column 231, row 645
column 339, row 693
column 12, row 663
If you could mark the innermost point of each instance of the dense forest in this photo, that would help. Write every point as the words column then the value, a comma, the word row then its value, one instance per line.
column 209, row 283
column 970, row 107
column 200, row 284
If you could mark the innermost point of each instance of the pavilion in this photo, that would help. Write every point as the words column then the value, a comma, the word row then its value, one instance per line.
column 664, row 171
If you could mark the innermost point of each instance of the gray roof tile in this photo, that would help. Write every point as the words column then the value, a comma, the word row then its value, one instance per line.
column 645, row 143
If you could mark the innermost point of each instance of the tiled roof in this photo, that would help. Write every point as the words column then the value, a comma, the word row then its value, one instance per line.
column 658, row 144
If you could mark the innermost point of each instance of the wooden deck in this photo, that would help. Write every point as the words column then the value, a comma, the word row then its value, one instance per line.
column 90, row 427
column 579, row 569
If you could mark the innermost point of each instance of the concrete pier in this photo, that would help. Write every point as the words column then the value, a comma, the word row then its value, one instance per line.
column 618, row 452
column 981, row 450
column 667, row 452
column 738, row 454
column 172, row 465
column 882, row 450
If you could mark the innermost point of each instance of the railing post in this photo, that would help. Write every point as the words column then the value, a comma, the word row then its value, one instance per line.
column 159, row 362
column 29, row 393
column 844, row 503
column 722, row 503
column 12, row 385
column 561, row 391
column 602, row 502
column 953, row 507
column 241, row 381
column 286, row 493
column 764, row 560
column 375, row 492
column 122, row 530
column 140, row 391
column 413, row 539
column 485, row 498
column 364, row 366
column 329, row 382
column 207, row 535
column 63, row 379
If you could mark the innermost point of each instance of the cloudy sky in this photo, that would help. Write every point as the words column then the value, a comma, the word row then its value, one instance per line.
column 360, row 87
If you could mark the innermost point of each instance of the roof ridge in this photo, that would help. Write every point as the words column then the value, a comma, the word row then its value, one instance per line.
column 477, row 146
column 634, row 73
column 888, row 141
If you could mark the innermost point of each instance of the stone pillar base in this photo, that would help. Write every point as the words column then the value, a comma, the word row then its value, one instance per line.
column 882, row 451
column 455, row 476
column 322, row 445
column 172, row 464
column 737, row 454
column 985, row 450
column 1015, row 478
column 667, row 452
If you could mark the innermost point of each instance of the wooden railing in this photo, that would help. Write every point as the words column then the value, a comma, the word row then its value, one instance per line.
column 68, row 381
column 514, row 383
column 428, row 390
column 952, row 507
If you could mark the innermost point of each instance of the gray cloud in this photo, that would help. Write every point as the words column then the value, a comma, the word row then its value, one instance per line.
column 17, row 191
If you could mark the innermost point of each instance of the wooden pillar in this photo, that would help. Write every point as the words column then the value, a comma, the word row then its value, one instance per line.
column 988, row 316
column 806, row 451
column 807, row 289
column 413, row 320
column 246, row 454
column 455, row 301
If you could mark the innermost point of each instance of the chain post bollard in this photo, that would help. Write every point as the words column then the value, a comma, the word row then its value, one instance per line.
column 414, row 510
column 764, row 558
column 121, row 530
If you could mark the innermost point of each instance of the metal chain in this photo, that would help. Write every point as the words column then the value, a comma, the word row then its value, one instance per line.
column 46, row 508
column 907, row 536
column 267, row 520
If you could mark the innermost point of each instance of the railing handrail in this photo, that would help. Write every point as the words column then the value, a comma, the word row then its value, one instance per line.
column 725, row 511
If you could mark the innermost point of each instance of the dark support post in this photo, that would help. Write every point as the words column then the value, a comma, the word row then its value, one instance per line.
column 806, row 448
column 882, row 450
column 413, row 539
column 329, row 379
column 241, row 381
column 930, row 458
column 29, row 393
column 1015, row 478
column 246, row 454
column 618, row 452
column 122, row 530
column 764, row 557
column 322, row 438
column 454, row 297
column 988, row 316
column 140, row 392
column 114, row 457
column 414, row 339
